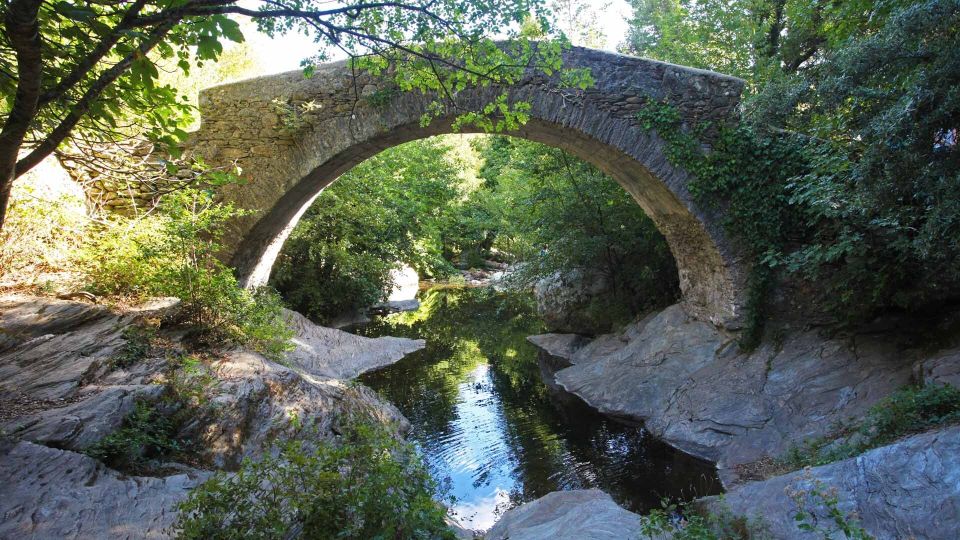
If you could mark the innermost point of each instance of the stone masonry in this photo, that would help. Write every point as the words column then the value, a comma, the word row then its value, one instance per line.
column 292, row 136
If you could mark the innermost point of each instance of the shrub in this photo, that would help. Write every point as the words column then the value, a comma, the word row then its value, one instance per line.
column 368, row 484
column 146, row 434
column 138, row 344
column 171, row 252
column 819, row 513
column 687, row 523
column 150, row 433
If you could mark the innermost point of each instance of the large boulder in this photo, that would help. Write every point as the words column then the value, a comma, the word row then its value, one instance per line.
column 910, row 489
column 571, row 301
column 691, row 386
column 587, row 514
column 255, row 402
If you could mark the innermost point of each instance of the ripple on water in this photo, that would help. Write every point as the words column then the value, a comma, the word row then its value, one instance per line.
column 490, row 429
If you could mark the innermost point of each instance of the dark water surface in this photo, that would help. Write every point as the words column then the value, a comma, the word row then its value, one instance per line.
column 488, row 424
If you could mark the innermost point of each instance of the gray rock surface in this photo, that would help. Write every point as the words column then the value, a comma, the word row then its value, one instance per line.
column 330, row 353
column 256, row 401
column 565, row 301
column 689, row 384
column 57, row 494
column 910, row 489
column 78, row 424
column 60, row 387
column 587, row 514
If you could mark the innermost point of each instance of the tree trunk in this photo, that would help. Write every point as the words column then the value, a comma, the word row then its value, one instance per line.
column 23, row 30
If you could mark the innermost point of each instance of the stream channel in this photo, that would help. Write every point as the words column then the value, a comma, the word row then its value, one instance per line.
column 495, row 431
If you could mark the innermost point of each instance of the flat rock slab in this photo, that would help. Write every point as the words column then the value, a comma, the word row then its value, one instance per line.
column 331, row 353
column 910, row 489
column 586, row 514
column 47, row 493
column 692, row 387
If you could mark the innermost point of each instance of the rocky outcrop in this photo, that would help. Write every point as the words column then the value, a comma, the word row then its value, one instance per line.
column 51, row 493
column 62, row 387
column 335, row 354
column 255, row 402
column 910, row 489
column 587, row 514
column 568, row 301
column 691, row 386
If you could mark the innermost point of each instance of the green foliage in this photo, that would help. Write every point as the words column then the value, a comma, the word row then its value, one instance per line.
column 138, row 345
column 99, row 65
column 845, row 172
column 387, row 210
column 171, row 252
column 149, row 434
column 685, row 523
column 146, row 434
column 366, row 484
column 881, row 189
column 753, row 39
column 556, row 213
column 45, row 224
column 910, row 410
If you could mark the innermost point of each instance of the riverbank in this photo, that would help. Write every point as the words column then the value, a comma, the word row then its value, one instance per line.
column 74, row 374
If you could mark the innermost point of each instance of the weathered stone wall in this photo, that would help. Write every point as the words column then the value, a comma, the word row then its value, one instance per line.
column 293, row 135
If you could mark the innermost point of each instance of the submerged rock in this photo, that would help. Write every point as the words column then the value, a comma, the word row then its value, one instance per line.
column 909, row 489
column 692, row 387
column 586, row 514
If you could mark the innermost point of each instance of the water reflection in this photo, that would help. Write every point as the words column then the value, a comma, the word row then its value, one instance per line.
column 489, row 426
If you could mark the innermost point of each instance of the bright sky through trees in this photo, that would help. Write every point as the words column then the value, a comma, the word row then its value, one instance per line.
column 284, row 53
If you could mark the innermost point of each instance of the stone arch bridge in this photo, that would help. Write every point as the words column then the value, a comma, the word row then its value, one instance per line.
column 292, row 136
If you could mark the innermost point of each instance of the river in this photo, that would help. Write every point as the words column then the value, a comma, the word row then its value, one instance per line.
column 495, row 433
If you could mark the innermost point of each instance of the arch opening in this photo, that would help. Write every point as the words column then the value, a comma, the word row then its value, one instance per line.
column 289, row 167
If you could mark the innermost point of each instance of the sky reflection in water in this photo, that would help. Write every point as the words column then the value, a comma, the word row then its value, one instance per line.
column 489, row 426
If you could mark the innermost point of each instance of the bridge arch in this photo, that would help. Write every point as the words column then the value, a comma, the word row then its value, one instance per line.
column 292, row 136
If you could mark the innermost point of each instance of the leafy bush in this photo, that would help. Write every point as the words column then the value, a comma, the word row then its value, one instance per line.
column 910, row 410
column 171, row 252
column 149, row 434
column 138, row 344
column 368, row 484
column 146, row 434
column 821, row 501
column 687, row 523
column 846, row 171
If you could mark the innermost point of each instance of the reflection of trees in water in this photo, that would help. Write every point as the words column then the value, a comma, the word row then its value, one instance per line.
column 555, row 441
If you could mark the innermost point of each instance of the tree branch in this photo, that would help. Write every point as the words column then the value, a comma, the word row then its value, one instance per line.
column 59, row 133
